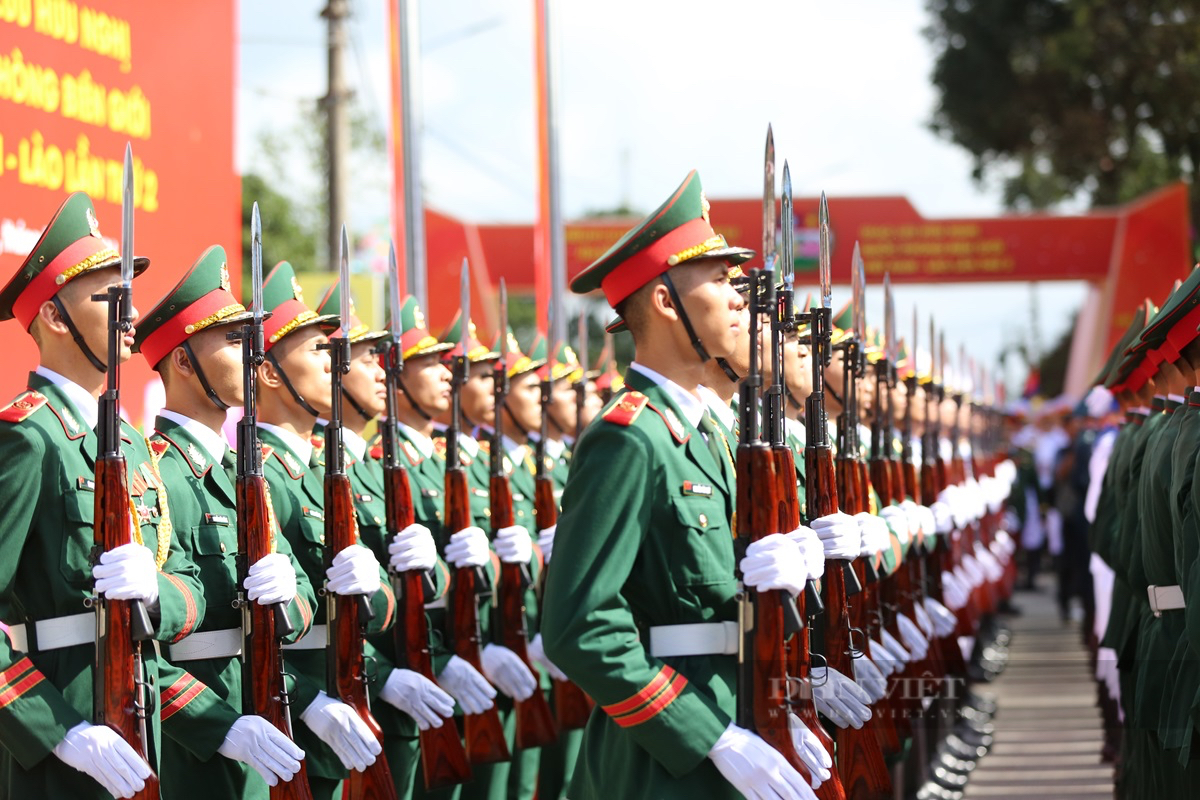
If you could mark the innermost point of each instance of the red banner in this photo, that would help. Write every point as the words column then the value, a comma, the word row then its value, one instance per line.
column 77, row 81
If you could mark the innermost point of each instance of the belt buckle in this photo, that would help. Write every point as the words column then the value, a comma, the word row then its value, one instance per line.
column 1152, row 592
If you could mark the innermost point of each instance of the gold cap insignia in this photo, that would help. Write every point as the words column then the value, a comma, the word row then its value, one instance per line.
column 704, row 206
column 225, row 277
column 297, row 291
column 93, row 223
column 418, row 319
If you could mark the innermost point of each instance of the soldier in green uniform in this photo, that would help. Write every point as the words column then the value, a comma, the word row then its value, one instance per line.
column 184, row 339
column 47, row 465
column 647, row 547
column 409, row 699
column 293, row 388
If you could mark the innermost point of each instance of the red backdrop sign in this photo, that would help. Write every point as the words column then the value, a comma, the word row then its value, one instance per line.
column 77, row 81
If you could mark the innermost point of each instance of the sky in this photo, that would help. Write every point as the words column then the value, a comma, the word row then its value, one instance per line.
column 650, row 89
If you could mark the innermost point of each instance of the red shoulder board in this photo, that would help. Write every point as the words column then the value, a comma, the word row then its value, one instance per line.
column 266, row 450
column 22, row 406
column 485, row 446
column 674, row 425
column 439, row 446
column 318, row 441
column 627, row 408
column 159, row 447
column 376, row 452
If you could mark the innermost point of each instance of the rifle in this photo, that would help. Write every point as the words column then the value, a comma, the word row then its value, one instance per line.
column 859, row 758
column 571, row 706
column 854, row 493
column 264, row 674
column 443, row 759
column 347, row 615
column 535, row 723
column 765, row 619
column 484, row 733
column 118, row 682
column 783, row 322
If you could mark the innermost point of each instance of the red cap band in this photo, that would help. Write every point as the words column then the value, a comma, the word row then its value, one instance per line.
column 174, row 331
column 646, row 265
column 45, row 285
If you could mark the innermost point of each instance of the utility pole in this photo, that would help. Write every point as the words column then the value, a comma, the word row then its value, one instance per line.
column 337, row 128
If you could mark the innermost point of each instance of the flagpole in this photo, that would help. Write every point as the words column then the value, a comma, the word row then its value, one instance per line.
column 550, row 253
column 408, row 219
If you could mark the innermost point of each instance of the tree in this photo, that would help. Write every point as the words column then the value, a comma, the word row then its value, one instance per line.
column 288, row 232
column 1068, row 97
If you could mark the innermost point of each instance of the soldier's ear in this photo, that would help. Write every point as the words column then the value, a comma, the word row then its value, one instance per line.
column 180, row 363
column 661, row 303
column 268, row 376
column 49, row 320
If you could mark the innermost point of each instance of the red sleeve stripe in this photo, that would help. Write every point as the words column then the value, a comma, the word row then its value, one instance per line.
column 177, row 688
column 655, row 706
column 445, row 578
column 189, row 603
column 642, row 697
column 305, row 614
column 14, row 690
column 182, row 699
column 15, row 671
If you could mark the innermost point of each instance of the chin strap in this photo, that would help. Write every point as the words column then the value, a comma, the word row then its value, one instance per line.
column 415, row 405
column 792, row 401
column 349, row 398
column 728, row 370
column 513, row 418
column 687, row 323
column 288, row 383
column 77, row 336
column 837, row 397
column 204, row 384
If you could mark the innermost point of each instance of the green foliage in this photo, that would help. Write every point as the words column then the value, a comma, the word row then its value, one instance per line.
column 1060, row 98
column 288, row 232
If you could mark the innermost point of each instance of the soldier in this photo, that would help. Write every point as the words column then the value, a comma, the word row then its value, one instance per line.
column 411, row 700
column 47, row 456
column 293, row 389
column 646, row 546
column 184, row 339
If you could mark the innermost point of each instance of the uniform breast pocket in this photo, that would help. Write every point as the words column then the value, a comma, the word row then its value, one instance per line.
column 78, row 536
column 214, row 540
column 701, row 545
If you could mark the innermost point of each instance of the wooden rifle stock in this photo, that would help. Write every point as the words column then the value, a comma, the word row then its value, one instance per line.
column 483, row 733
column 443, row 759
column 572, row 706
column 264, row 674
column 344, row 615
column 119, row 688
column 535, row 723
column 859, row 757
column 798, row 662
column 762, row 669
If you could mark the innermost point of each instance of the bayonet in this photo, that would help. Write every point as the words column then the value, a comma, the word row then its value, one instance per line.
column 769, row 204
column 127, row 219
column 824, row 254
column 787, row 221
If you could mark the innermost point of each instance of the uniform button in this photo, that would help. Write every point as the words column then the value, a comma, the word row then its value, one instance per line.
column 222, row 547
column 377, row 521
column 703, row 520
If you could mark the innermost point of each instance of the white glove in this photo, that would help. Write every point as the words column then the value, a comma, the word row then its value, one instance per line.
column 944, row 621
column 911, row 635
column 100, row 752
column 811, row 550
column 884, row 659
column 923, row 620
column 954, row 591
column 913, row 514
column 839, row 535
column 513, row 545
column 508, row 672
column 127, row 572
column 927, row 520
column 538, row 653
column 254, row 741
column 546, row 542
column 972, row 572
column 943, row 518
column 898, row 651
column 271, row 579
column 897, row 522
column 774, row 562
column 876, row 537
column 1010, row 521
column 412, row 550
column 870, row 678
column 355, row 570
column 419, row 697
column 757, row 770
column 468, row 548
column 467, row 686
column 811, row 751
column 843, row 701
column 339, row 726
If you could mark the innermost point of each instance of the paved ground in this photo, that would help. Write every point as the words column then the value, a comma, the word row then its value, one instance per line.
column 1048, row 732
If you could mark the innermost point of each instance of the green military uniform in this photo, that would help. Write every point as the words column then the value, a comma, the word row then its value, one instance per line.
column 204, row 513
column 47, row 467
column 645, row 545
column 297, row 491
